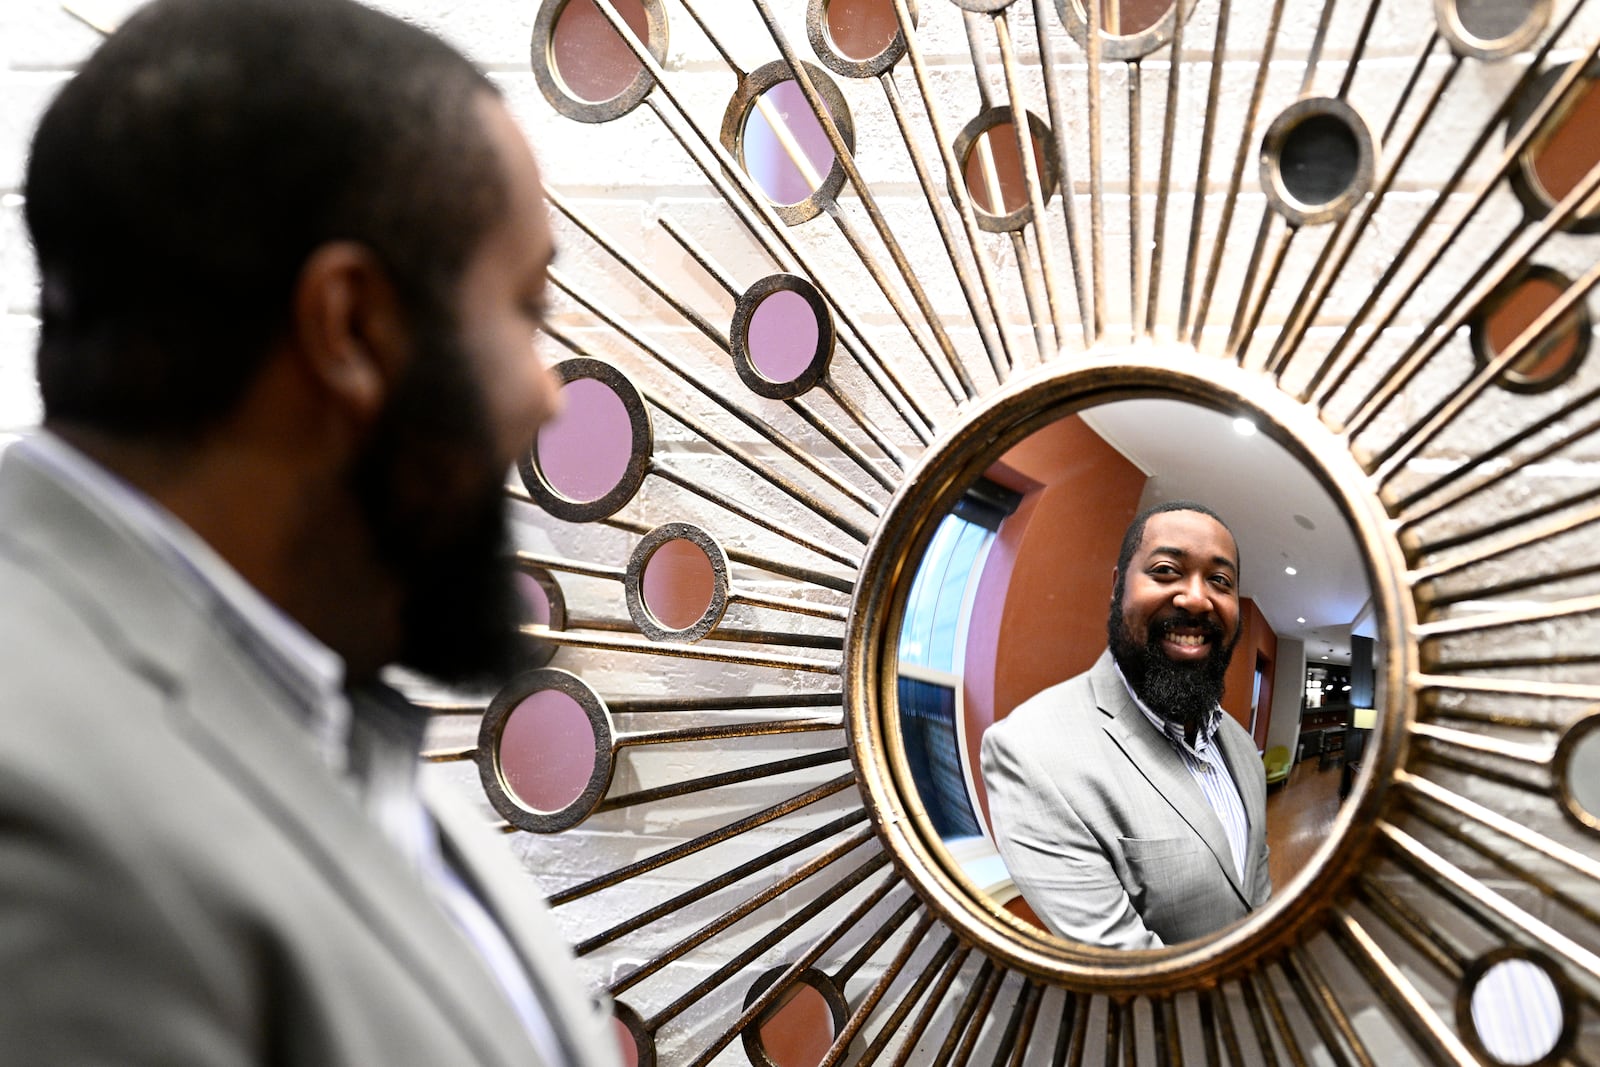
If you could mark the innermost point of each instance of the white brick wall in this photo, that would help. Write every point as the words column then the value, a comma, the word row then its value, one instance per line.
column 626, row 175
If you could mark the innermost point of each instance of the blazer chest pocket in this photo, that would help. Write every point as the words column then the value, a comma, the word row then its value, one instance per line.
column 1162, row 861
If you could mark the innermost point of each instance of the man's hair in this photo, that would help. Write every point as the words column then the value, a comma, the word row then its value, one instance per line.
column 178, row 184
column 1134, row 537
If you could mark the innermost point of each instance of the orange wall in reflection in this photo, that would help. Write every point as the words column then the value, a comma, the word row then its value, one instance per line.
column 1257, row 639
column 1039, row 614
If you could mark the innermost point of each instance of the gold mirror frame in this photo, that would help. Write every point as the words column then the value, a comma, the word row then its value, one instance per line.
column 955, row 462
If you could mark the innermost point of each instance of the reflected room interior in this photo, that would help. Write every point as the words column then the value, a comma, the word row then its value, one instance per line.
column 1012, row 595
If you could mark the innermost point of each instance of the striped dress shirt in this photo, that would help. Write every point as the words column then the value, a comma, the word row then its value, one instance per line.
column 1210, row 772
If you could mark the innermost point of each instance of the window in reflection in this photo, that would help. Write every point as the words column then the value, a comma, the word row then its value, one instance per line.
column 931, row 640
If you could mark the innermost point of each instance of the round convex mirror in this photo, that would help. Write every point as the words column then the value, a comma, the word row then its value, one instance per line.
column 1121, row 734
column 782, row 336
column 677, row 583
column 858, row 38
column 770, row 127
column 1491, row 29
column 1129, row 29
column 545, row 750
column 1516, row 306
column 590, row 459
column 1564, row 150
column 994, row 172
column 1517, row 1010
column 583, row 66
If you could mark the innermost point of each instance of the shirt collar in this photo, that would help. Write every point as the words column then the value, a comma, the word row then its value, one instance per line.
column 1173, row 731
column 312, row 672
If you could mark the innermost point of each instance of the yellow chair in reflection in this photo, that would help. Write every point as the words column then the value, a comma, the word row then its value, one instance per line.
column 1277, row 763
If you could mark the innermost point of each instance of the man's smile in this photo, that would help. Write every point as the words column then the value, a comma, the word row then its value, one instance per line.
column 1186, row 640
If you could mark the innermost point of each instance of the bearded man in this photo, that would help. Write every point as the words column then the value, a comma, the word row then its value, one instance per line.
column 293, row 256
column 1129, row 809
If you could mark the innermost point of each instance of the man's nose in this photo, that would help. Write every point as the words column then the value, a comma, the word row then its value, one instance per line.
column 1194, row 597
column 546, row 400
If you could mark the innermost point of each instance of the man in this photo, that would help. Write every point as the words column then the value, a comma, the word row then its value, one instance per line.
column 1129, row 809
column 292, row 258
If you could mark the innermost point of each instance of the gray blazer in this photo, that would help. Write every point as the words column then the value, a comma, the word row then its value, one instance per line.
column 181, row 880
column 1102, row 827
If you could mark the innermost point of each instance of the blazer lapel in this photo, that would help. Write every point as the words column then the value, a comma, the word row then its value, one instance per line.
column 1239, row 752
column 577, row 1015
column 1153, row 757
column 238, row 725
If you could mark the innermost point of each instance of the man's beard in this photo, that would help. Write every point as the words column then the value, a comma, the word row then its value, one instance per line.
column 432, row 494
column 1184, row 693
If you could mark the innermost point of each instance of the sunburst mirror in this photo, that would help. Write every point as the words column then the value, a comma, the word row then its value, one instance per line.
column 875, row 322
column 839, row 281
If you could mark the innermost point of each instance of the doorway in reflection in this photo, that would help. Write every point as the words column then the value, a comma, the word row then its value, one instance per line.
column 1011, row 597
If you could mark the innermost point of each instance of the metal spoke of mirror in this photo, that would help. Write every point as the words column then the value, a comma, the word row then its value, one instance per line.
column 877, row 320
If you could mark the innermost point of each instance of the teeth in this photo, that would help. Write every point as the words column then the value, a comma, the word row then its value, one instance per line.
column 1187, row 640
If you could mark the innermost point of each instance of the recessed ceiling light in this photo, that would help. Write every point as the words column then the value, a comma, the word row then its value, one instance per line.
column 1301, row 620
column 1243, row 427
column 1290, row 570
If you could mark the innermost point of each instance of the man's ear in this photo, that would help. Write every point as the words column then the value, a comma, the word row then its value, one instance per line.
column 349, row 327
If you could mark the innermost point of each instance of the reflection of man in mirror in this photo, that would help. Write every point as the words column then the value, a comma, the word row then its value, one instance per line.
column 1129, row 808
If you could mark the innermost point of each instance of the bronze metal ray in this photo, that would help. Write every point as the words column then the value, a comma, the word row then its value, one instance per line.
column 704, row 841
column 1401, row 994
column 1318, row 997
column 1558, row 95
column 868, row 199
column 749, row 773
column 1152, row 311
column 1323, row 277
column 875, row 996
column 1246, row 141
column 945, row 966
column 751, row 904
column 677, row 903
column 1055, row 106
column 821, row 945
column 1202, row 181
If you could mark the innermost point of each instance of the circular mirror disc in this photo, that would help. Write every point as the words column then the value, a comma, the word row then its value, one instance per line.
column 996, row 178
column 785, row 148
column 799, row 1032
column 678, row 584
column 591, row 59
column 584, row 451
column 783, row 335
column 1320, row 159
column 547, row 750
column 861, row 29
column 1124, row 18
column 1516, row 1012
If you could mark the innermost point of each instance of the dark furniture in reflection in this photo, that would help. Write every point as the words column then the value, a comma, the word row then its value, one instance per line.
column 1332, row 747
column 1310, row 744
column 1355, row 747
